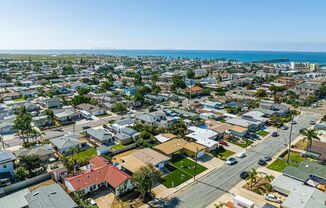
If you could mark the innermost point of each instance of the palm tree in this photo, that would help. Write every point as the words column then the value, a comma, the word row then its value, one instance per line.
column 219, row 205
column 252, row 178
column 309, row 136
column 2, row 142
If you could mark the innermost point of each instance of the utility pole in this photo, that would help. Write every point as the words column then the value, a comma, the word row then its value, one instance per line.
column 196, row 163
column 290, row 141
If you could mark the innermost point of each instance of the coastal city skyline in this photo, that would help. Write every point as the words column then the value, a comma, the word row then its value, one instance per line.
column 213, row 25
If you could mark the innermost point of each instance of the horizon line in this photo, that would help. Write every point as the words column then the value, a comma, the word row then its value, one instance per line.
column 156, row 49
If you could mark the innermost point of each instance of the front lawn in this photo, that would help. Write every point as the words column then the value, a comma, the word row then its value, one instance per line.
column 188, row 166
column 175, row 178
column 280, row 164
column 246, row 143
column 262, row 133
column 184, row 170
column 222, row 153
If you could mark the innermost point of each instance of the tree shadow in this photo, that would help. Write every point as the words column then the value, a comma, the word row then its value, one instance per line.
column 162, row 203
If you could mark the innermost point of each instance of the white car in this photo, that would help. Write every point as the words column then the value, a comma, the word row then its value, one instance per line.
column 272, row 198
column 92, row 201
column 241, row 155
column 231, row 161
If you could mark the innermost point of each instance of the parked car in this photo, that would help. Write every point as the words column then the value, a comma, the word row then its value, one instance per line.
column 92, row 201
column 224, row 143
column 244, row 174
column 312, row 122
column 241, row 155
column 262, row 162
column 86, row 127
column 267, row 158
column 293, row 122
column 284, row 128
column 231, row 161
column 274, row 134
column 272, row 198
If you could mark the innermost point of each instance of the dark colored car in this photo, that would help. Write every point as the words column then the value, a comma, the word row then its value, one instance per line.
column 86, row 127
column 262, row 162
column 224, row 143
column 244, row 174
column 274, row 134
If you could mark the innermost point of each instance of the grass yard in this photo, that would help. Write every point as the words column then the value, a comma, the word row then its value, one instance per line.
column 222, row 154
column 117, row 147
column 175, row 178
column 184, row 170
column 85, row 155
column 188, row 166
column 19, row 99
column 262, row 133
column 246, row 143
column 279, row 164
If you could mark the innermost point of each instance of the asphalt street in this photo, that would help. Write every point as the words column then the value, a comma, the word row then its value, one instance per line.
column 56, row 132
column 207, row 189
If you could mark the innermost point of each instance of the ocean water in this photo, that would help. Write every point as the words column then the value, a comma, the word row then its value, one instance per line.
column 243, row 56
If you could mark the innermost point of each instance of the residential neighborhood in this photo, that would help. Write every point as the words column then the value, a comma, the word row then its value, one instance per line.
column 121, row 131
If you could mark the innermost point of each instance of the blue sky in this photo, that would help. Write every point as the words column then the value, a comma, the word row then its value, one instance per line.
column 294, row 25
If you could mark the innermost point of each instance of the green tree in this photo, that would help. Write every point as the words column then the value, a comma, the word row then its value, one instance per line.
column 119, row 107
column 30, row 162
column 190, row 74
column 23, row 123
column 177, row 83
column 219, row 205
column 138, row 79
column 66, row 70
column 179, row 128
column 261, row 93
column 309, row 136
column 83, row 90
column 21, row 173
column 79, row 197
column 138, row 98
column 156, row 89
column 107, row 85
column 144, row 179
column 252, row 178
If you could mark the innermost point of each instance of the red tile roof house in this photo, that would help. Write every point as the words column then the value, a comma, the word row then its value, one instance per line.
column 101, row 174
column 194, row 91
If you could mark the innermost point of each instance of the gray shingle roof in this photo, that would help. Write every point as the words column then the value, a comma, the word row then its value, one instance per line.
column 6, row 156
column 52, row 196
column 99, row 134
column 66, row 141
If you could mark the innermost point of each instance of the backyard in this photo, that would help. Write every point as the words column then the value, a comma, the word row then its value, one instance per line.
column 84, row 155
column 184, row 169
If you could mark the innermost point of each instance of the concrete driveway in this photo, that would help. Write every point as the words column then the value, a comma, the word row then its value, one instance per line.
column 104, row 199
